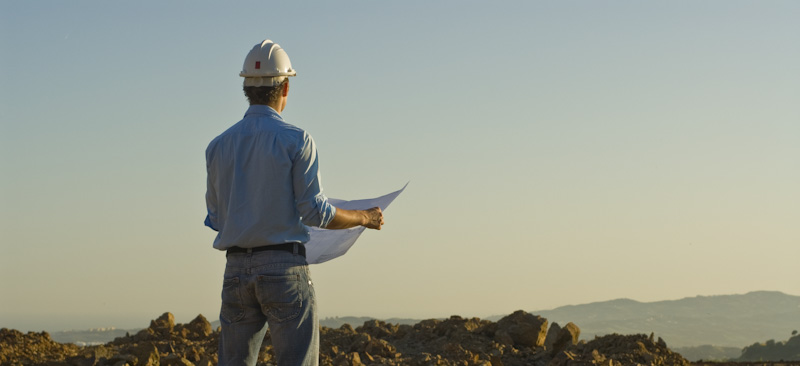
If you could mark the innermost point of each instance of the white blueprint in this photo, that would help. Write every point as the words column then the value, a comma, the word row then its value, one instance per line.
column 328, row 244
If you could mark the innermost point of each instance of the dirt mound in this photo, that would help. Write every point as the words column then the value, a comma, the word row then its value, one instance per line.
column 615, row 349
column 163, row 343
column 454, row 341
column 17, row 348
column 516, row 340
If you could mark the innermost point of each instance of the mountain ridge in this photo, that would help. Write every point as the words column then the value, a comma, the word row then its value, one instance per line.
column 720, row 320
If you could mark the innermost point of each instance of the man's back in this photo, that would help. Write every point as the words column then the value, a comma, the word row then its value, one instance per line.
column 263, row 177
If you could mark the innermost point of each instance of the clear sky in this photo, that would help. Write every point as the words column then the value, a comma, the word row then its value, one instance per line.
column 559, row 152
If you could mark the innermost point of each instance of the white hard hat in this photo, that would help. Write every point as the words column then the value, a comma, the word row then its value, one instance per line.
column 267, row 64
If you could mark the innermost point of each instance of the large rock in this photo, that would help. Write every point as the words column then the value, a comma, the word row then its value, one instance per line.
column 143, row 335
column 164, row 324
column 524, row 329
column 197, row 328
column 552, row 334
column 380, row 347
column 147, row 355
column 567, row 336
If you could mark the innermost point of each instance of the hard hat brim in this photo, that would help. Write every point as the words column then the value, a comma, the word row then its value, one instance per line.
column 264, row 81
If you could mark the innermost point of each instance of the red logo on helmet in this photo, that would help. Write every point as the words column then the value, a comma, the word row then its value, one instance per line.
column 258, row 65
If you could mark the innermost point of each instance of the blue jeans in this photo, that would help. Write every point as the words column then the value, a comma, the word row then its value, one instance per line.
column 269, row 288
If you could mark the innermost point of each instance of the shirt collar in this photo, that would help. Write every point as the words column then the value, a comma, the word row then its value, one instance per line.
column 260, row 109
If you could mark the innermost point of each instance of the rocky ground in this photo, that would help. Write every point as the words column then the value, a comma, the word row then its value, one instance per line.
column 517, row 339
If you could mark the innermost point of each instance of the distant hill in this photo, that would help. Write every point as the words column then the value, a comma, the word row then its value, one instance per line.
column 770, row 350
column 709, row 353
column 355, row 321
column 90, row 336
column 726, row 320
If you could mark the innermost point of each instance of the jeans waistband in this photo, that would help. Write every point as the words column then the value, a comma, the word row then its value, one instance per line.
column 295, row 248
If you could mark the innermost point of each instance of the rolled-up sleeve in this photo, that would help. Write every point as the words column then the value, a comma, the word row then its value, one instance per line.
column 312, row 204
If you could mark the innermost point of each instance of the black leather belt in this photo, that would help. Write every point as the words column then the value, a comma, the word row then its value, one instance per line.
column 288, row 247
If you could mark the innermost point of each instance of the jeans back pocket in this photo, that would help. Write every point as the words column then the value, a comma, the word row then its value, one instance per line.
column 281, row 296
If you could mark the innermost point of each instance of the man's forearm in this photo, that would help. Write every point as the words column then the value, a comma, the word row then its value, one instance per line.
column 345, row 219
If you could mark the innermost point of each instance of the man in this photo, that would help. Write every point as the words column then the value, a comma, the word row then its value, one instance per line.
column 263, row 188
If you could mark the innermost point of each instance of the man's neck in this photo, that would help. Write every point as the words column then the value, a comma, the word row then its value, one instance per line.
column 272, row 106
column 276, row 106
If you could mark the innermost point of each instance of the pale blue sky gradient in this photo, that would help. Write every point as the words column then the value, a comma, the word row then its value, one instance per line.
column 558, row 152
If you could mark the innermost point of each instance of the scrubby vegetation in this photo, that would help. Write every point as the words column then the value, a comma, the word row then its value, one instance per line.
column 773, row 351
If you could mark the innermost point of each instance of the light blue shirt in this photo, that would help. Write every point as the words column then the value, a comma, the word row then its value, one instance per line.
column 264, row 183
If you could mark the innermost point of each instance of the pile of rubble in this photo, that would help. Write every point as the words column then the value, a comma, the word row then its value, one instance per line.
column 517, row 339
column 17, row 348
column 163, row 343
column 620, row 350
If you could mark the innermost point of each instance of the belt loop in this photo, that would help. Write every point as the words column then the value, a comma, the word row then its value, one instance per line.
column 295, row 248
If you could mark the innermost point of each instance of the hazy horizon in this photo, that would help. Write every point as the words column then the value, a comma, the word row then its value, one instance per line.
column 137, row 322
column 557, row 152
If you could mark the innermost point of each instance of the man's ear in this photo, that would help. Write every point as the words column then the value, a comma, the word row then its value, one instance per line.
column 286, row 88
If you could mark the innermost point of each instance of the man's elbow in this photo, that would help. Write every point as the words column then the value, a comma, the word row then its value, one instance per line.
column 312, row 220
column 319, row 215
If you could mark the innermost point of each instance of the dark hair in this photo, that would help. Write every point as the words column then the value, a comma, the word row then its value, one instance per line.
column 265, row 95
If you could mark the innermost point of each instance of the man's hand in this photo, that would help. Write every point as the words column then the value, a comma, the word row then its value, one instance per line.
column 374, row 218
column 371, row 218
